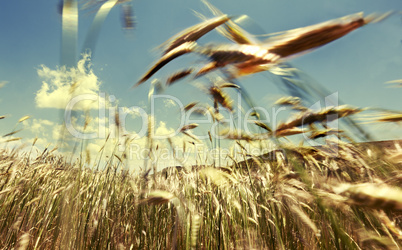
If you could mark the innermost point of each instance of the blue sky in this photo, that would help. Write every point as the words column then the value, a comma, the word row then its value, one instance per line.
column 356, row 66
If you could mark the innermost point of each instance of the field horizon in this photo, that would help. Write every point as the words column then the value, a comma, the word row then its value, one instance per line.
column 267, row 126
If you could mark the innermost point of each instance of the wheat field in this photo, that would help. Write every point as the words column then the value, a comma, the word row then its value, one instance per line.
column 339, row 195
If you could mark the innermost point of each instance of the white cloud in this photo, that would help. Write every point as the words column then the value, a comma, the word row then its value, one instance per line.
column 38, row 126
column 163, row 131
column 134, row 112
column 169, row 103
column 61, row 85
column 57, row 132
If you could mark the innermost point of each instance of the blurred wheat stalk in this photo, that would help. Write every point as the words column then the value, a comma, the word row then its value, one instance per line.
column 297, row 197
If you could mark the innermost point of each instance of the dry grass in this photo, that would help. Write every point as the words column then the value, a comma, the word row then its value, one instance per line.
column 300, row 198
column 337, row 196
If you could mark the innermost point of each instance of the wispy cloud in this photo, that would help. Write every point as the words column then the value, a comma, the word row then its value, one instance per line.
column 62, row 84
column 169, row 103
column 3, row 83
